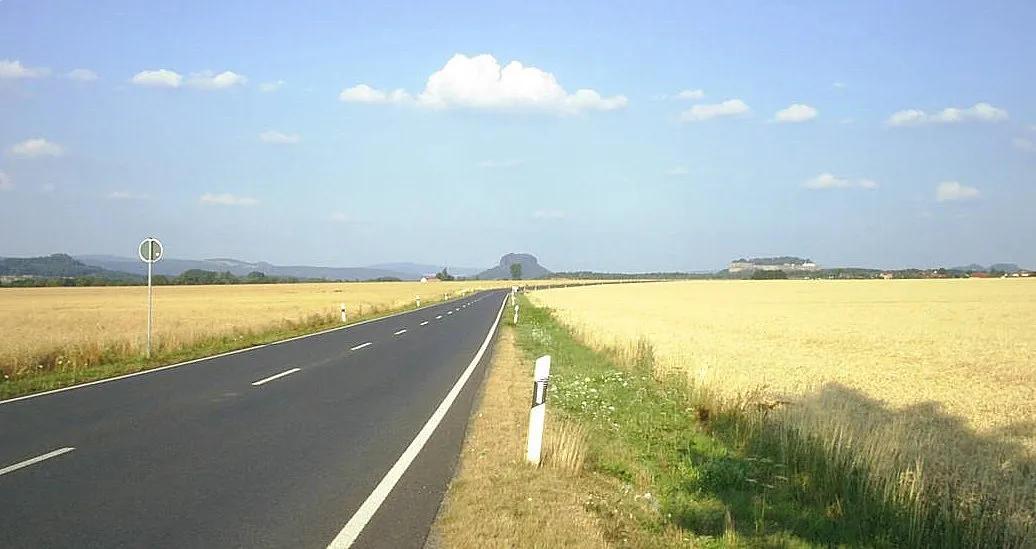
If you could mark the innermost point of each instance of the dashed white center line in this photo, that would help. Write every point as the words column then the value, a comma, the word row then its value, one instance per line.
column 449, row 312
column 273, row 377
column 34, row 460
column 438, row 317
column 401, row 332
column 425, row 323
column 360, row 346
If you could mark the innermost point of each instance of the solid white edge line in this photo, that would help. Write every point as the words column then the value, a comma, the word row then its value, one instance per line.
column 425, row 323
column 360, row 346
column 275, row 376
column 352, row 529
column 202, row 359
column 401, row 332
column 35, row 460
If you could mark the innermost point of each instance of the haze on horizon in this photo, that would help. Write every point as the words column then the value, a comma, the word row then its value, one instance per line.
column 651, row 137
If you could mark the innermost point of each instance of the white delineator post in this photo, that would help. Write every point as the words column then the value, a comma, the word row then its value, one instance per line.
column 539, row 408
column 418, row 301
column 343, row 311
column 516, row 313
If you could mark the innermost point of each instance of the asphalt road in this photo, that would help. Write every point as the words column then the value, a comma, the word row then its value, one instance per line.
column 278, row 446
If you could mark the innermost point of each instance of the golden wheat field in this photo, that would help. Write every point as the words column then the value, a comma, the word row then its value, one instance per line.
column 969, row 345
column 85, row 324
column 930, row 385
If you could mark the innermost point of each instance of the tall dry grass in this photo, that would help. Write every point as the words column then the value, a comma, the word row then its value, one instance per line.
column 928, row 386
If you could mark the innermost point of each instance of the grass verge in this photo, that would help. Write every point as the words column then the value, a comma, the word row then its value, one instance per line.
column 77, row 365
column 665, row 465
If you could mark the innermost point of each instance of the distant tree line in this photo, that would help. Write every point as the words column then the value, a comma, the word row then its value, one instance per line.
column 192, row 277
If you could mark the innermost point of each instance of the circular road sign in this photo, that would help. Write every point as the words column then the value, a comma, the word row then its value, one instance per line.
column 150, row 250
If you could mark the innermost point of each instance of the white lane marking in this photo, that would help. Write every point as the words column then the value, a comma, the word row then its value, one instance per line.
column 178, row 364
column 273, row 377
column 438, row 317
column 354, row 527
column 360, row 346
column 449, row 312
column 425, row 323
column 401, row 332
column 34, row 460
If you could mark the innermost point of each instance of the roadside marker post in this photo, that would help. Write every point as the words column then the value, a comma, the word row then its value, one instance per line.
column 516, row 313
column 539, row 409
column 150, row 251
column 418, row 301
column 343, row 311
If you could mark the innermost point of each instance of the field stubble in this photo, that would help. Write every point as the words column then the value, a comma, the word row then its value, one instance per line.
column 928, row 386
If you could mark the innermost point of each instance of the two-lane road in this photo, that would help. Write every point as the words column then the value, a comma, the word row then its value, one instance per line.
column 316, row 441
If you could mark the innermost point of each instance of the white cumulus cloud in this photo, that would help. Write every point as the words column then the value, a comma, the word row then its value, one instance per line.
column 726, row 109
column 37, row 148
column 161, row 78
column 210, row 80
column 508, row 163
column 678, row 171
column 1025, row 145
column 691, row 94
column 273, row 136
column 949, row 191
column 829, row 181
column 548, row 214
column 979, row 112
column 14, row 70
column 228, row 199
column 480, row 82
column 82, row 75
column 271, row 86
column 5, row 182
column 796, row 113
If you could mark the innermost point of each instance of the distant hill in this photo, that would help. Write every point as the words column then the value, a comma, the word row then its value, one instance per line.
column 531, row 268
column 175, row 267
column 58, row 265
column 422, row 269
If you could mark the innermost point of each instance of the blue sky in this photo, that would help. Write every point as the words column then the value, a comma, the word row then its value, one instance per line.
column 270, row 130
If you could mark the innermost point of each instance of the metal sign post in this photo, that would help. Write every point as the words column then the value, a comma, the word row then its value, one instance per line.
column 150, row 251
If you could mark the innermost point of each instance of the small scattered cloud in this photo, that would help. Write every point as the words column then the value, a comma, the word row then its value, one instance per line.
column 1024, row 145
column 951, row 191
column 480, row 82
column 82, row 75
column 847, row 120
column 796, row 113
column 210, row 80
column 829, row 181
column 839, row 84
column 228, row 199
column 48, row 187
column 6, row 183
column 548, row 214
column 37, row 148
column 339, row 217
column 980, row 112
column 126, row 195
column 509, row 163
column 727, row 109
column 271, row 86
column 1032, row 128
column 273, row 136
column 161, row 78
column 14, row 70
column 678, row 171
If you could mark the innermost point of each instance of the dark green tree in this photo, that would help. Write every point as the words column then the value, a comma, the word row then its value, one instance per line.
column 516, row 271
